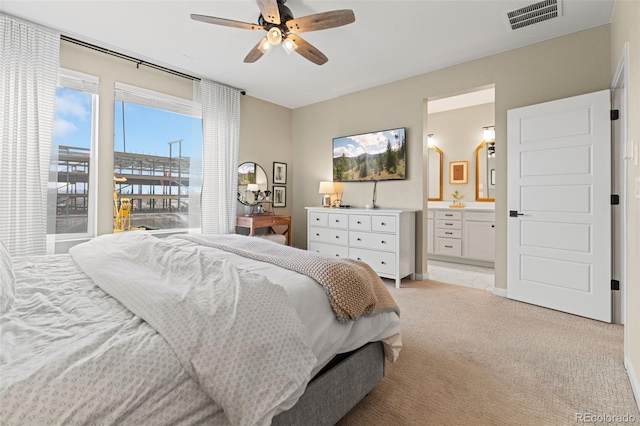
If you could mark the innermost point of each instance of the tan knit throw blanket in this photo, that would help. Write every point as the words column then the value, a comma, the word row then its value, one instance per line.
column 353, row 288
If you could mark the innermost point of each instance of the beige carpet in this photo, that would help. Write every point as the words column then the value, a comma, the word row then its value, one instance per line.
column 472, row 358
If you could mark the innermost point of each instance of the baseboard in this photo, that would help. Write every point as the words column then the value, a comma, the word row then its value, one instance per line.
column 633, row 379
column 422, row 277
column 500, row 292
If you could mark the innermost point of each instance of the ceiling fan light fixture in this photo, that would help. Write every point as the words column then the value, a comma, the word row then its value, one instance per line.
column 265, row 46
column 289, row 46
column 274, row 36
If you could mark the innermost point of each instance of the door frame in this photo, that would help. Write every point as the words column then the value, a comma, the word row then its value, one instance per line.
column 620, row 82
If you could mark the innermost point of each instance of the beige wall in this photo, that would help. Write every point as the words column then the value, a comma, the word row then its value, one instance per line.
column 625, row 27
column 457, row 133
column 265, row 137
column 566, row 66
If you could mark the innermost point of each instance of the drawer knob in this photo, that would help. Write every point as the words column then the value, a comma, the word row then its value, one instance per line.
column 493, row 226
column 449, row 246
column 449, row 215
column 383, row 262
column 337, row 221
column 317, row 218
column 357, row 258
column 317, row 235
column 337, row 255
column 359, row 223
column 383, row 224
column 383, row 242
column 337, row 236
column 449, row 224
column 449, row 233
column 359, row 239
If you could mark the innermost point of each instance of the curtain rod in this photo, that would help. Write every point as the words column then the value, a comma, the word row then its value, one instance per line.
column 132, row 59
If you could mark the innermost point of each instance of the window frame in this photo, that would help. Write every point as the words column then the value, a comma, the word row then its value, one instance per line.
column 131, row 94
column 89, row 84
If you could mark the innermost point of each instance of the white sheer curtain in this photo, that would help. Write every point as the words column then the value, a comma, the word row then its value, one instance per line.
column 220, row 140
column 29, row 62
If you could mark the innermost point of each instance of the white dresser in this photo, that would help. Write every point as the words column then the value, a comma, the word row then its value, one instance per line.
column 383, row 238
column 462, row 235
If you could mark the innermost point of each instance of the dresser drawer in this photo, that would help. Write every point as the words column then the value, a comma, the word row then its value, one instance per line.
column 480, row 216
column 338, row 220
column 329, row 250
column 448, row 246
column 445, row 214
column 381, row 262
column 449, row 233
column 318, row 219
column 448, row 224
column 328, row 235
column 360, row 222
column 386, row 242
column 383, row 223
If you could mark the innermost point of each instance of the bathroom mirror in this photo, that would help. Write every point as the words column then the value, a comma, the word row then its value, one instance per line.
column 435, row 174
column 250, row 173
column 486, row 171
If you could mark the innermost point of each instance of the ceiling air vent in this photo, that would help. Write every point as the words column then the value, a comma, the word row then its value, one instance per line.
column 534, row 13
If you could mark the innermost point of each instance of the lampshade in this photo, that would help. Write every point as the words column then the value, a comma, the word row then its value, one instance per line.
column 274, row 36
column 265, row 45
column 253, row 187
column 326, row 187
column 289, row 46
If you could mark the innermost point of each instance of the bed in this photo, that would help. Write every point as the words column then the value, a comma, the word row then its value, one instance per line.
column 133, row 329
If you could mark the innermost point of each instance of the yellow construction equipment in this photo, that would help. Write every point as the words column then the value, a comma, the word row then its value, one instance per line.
column 122, row 214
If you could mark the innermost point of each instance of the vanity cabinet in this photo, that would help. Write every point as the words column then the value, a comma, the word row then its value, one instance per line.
column 479, row 232
column 461, row 236
column 382, row 238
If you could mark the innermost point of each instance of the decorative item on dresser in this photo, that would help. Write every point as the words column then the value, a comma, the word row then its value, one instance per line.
column 385, row 239
column 462, row 236
column 265, row 221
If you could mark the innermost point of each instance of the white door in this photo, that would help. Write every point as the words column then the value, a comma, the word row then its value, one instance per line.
column 559, row 224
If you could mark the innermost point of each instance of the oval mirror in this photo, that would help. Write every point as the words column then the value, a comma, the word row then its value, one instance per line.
column 435, row 174
column 486, row 171
column 252, row 183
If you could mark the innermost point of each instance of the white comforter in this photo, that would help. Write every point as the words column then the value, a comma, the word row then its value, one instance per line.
column 71, row 354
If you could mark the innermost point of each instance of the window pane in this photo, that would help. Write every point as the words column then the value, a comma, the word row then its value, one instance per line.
column 71, row 154
column 159, row 154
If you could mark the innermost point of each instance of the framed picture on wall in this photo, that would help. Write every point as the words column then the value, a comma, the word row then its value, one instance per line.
column 458, row 172
column 279, row 172
column 279, row 196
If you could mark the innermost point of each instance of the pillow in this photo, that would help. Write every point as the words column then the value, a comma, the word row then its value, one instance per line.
column 7, row 280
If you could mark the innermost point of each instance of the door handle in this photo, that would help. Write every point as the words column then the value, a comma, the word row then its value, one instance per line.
column 514, row 213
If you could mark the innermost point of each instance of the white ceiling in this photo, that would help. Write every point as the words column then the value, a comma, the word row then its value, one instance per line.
column 389, row 41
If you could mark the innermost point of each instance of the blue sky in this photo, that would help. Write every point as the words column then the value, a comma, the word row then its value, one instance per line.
column 148, row 130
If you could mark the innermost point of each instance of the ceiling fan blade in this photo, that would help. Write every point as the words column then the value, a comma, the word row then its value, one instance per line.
column 269, row 10
column 307, row 50
column 255, row 53
column 226, row 22
column 321, row 21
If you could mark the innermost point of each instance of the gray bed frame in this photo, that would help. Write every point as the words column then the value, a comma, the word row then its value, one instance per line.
column 337, row 388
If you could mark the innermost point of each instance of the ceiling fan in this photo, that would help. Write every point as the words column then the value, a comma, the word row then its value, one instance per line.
column 282, row 27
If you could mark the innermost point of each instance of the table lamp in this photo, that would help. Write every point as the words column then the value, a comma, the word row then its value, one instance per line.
column 326, row 188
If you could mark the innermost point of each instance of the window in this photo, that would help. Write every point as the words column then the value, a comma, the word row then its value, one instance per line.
column 157, row 160
column 71, row 200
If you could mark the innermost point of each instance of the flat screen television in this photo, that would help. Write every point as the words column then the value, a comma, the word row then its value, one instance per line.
column 380, row 155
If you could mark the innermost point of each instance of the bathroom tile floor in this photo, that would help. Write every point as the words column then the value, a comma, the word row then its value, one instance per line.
column 461, row 274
